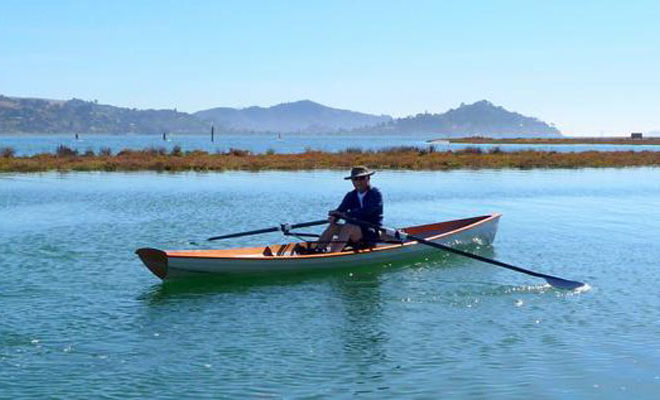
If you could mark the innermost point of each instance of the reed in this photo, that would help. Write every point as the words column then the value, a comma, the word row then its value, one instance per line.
column 7, row 152
column 238, row 152
column 353, row 150
column 64, row 151
column 470, row 150
column 412, row 158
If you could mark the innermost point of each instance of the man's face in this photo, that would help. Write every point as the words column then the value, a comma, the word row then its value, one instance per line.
column 361, row 183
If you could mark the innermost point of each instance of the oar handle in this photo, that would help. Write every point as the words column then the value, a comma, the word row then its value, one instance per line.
column 283, row 227
column 233, row 235
column 311, row 223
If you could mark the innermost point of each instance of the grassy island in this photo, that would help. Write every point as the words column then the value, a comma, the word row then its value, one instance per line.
column 414, row 158
column 585, row 140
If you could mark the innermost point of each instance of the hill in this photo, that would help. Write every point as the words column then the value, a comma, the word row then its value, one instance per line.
column 28, row 115
column 479, row 119
column 25, row 115
column 300, row 116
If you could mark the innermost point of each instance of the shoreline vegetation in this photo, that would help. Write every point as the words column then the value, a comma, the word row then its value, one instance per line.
column 403, row 157
column 552, row 141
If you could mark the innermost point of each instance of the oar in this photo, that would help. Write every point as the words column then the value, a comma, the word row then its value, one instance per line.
column 282, row 227
column 554, row 281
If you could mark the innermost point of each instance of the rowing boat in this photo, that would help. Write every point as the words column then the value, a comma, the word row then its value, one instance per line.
column 169, row 264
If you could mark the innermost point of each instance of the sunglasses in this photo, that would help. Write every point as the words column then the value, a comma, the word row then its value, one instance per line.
column 359, row 178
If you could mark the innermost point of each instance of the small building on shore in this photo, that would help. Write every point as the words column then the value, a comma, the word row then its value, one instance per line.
column 636, row 135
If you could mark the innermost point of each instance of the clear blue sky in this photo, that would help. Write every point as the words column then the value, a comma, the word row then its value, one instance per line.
column 590, row 67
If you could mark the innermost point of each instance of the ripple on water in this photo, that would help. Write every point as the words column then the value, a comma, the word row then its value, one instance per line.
column 83, row 318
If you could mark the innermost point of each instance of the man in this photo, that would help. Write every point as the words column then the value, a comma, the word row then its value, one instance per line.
column 364, row 203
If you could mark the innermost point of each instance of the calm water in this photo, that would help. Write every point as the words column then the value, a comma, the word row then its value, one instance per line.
column 82, row 318
column 34, row 144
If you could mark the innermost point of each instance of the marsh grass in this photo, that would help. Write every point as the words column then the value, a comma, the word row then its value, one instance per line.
column 353, row 150
column 238, row 152
column 470, row 150
column 7, row 152
column 402, row 157
column 64, row 151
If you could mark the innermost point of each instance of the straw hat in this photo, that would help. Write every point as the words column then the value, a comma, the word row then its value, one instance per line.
column 359, row 171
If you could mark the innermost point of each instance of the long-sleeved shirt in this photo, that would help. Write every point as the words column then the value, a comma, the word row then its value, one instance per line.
column 371, row 209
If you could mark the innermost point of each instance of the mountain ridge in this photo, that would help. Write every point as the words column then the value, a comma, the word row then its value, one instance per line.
column 294, row 117
column 481, row 118
column 34, row 115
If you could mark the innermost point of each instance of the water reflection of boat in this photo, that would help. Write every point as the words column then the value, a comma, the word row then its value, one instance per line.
column 168, row 264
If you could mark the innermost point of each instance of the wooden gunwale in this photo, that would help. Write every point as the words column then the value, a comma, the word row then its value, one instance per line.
column 254, row 251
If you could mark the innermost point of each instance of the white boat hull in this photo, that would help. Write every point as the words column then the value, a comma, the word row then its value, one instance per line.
column 172, row 264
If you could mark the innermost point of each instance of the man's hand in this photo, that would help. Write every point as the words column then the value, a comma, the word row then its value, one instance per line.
column 334, row 215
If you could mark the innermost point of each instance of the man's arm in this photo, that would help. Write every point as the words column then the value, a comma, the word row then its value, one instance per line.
column 345, row 203
column 341, row 210
column 373, row 205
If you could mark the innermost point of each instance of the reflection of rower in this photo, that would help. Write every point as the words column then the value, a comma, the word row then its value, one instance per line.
column 164, row 136
column 76, row 136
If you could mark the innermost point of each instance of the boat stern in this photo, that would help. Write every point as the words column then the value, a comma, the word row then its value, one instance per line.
column 155, row 260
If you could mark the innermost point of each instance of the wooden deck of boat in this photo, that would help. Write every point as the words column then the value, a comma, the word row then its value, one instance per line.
column 429, row 231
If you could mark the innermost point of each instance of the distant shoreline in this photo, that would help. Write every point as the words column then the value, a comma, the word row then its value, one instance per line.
column 615, row 140
column 552, row 141
column 399, row 158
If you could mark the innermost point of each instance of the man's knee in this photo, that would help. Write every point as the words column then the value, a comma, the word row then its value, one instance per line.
column 354, row 231
column 333, row 229
column 356, row 228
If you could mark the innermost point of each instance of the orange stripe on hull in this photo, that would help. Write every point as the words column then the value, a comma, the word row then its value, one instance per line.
column 170, row 263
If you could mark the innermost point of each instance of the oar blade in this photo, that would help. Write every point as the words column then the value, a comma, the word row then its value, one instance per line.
column 558, row 283
column 563, row 284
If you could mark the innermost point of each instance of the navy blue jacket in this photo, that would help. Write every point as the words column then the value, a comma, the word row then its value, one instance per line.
column 372, row 210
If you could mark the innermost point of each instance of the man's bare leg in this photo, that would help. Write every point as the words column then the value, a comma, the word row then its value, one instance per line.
column 326, row 236
column 348, row 232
